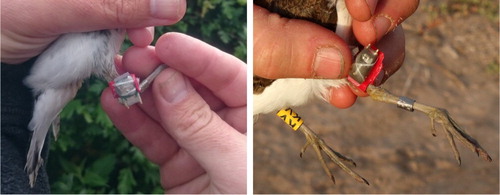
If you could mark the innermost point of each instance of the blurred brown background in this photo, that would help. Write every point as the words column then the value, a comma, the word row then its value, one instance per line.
column 452, row 62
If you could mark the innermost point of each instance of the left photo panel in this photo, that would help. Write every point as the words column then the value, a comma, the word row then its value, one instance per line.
column 124, row 96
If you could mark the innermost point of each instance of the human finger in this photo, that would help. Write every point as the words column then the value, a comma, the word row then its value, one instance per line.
column 387, row 15
column 393, row 46
column 199, row 185
column 341, row 97
column 290, row 48
column 216, row 146
column 213, row 101
column 141, row 61
column 236, row 117
column 178, row 170
column 141, row 37
column 28, row 27
column 224, row 74
column 97, row 14
column 361, row 10
column 176, row 166
column 140, row 129
column 118, row 59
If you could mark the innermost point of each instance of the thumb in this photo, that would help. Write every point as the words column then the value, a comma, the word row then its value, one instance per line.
column 217, row 147
column 28, row 27
column 296, row 48
column 53, row 18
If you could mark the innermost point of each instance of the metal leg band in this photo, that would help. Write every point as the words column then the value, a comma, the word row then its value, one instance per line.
column 406, row 103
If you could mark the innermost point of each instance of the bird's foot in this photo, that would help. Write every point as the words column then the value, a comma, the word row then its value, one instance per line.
column 453, row 130
column 312, row 139
column 439, row 115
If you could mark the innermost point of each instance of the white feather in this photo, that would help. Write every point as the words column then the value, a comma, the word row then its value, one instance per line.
column 57, row 75
column 73, row 57
column 285, row 93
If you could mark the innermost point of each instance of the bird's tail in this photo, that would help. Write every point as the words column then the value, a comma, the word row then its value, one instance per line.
column 47, row 107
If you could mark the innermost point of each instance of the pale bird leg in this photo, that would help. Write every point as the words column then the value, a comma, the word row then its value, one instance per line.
column 451, row 128
column 312, row 139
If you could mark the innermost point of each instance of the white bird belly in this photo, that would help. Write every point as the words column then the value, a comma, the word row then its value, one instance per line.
column 283, row 93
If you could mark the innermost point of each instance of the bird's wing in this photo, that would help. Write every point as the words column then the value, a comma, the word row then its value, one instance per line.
column 47, row 107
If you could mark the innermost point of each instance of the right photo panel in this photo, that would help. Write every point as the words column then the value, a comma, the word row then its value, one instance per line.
column 367, row 96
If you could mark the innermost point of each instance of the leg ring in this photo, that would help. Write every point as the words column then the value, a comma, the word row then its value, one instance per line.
column 406, row 103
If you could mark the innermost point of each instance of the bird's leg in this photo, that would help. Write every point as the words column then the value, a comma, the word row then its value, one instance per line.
column 312, row 139
column 439, row 115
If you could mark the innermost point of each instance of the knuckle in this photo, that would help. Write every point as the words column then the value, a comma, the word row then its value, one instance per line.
column 195, row 118
column 118, row 11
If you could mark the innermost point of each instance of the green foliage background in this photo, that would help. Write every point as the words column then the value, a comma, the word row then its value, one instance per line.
column 90, row 155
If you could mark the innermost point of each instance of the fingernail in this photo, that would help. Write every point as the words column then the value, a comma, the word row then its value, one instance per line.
column 165, row 9
column 151, row 29
column 372, row 4
column 328, row 63
column 174, row 88
column 382, row 24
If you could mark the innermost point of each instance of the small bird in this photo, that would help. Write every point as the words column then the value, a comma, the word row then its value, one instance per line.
column 278, row 95
column 56, row 76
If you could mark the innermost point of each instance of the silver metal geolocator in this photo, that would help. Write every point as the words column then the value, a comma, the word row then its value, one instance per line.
column 363, row 63
column 127, row 88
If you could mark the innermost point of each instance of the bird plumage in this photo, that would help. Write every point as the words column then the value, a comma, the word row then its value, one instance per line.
column 56, row 77
column 283, row 93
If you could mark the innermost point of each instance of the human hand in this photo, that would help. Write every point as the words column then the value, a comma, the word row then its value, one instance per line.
column 376, row 21
column 28, row 27
column 192, row 126
column 373, row 19
column 286, row 48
